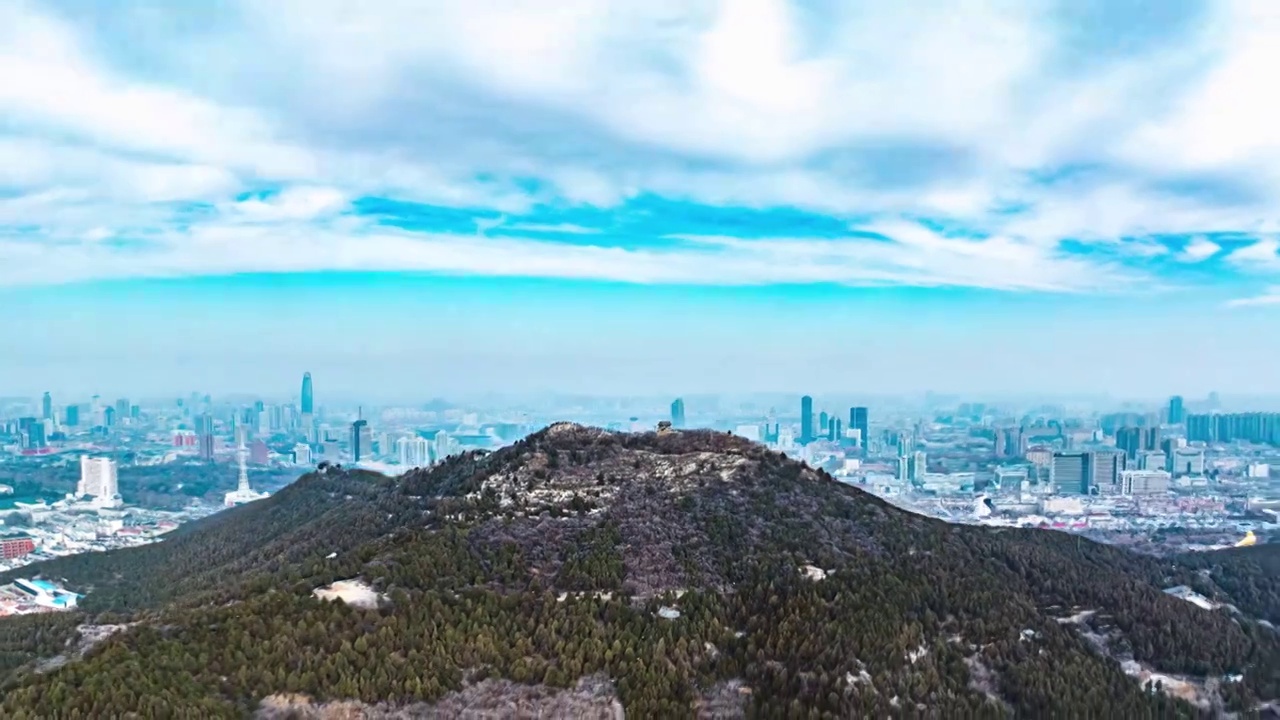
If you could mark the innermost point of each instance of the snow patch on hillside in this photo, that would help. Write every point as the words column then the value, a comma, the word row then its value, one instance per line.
column 352, row 592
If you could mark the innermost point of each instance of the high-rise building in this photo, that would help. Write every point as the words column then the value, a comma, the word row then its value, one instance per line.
column 1129, row 441
column 361, row 440
column 1200, row 428
column 858, row 421
column 414, row 451
column 677, row 413
column 32, row 433
column 108, row 416
column 205, row 434
column 1176, row 413
column 806, row 420
column 302, row 454
column 1069, row 472
column 46, row 406
column 1151, row 437
column 206, row 446
column 122, row 409
column 917, row 466
column 1105, row 467
column 1253, row 427
column 98, row 480
column 308, row 406
column 73, row 415
column 443, row 446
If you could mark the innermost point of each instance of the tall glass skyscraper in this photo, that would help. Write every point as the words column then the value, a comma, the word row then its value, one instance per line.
column 677, row 413
column 307, row 408
column 858, row 421
column 806, row 420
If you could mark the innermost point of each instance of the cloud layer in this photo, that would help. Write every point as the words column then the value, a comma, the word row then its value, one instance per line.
column 1019, row 146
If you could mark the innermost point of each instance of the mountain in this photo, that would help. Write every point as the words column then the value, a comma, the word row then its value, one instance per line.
column 586, row 573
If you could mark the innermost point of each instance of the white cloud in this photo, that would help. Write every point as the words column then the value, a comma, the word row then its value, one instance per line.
column 1261, row 255
column 1199, row 249
column 295, row 203
column 563, row 228
column 918, row 257
column 1270, row 297
column 1223, row 119
column 113, row 123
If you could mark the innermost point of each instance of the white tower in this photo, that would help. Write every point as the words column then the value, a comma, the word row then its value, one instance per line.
column 242, row 455
column 243, row 493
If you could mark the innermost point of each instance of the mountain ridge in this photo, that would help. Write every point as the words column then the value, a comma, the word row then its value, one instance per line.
column 549, row 560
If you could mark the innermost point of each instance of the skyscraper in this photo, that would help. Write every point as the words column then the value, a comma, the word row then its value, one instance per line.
column 307, row 402
column 32, row 432
column 359, row 436
column 204, row 428
column 73, row 415
column 824, row 423
column 47, row 406
column 1175, row 410
column 677, row 413
column 806, row 420
column 98, row 479
column 414, row 451
column 1105, row 467
column 858, row 421
column 1069, row 472
column 1129, row 440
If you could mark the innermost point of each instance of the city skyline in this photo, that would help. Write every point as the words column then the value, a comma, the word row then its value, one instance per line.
column 677, row 198
column 56, row 402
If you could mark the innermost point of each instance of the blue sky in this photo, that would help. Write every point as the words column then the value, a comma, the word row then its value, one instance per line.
column 669, row 196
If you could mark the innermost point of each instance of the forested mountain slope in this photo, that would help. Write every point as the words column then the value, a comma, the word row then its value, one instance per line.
column 682, row 574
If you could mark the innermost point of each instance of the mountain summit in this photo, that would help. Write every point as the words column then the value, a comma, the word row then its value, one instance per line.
column 588, row 573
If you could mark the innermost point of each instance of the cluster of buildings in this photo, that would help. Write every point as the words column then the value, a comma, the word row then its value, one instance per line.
column 1185, row 465
column 1197, row 479
column 92, row 518
column 37, row 434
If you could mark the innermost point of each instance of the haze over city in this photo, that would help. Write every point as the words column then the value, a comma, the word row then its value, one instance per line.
column 686, row 197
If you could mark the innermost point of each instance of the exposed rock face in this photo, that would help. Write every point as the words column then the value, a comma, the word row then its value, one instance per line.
column 592, row 698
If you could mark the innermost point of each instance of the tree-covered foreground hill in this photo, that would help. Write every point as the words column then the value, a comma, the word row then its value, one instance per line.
column 581, row 573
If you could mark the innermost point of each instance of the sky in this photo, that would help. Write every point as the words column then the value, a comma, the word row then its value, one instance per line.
column 618, row 197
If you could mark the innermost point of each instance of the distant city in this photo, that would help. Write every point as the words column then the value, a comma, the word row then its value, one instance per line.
column 1183, row 476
